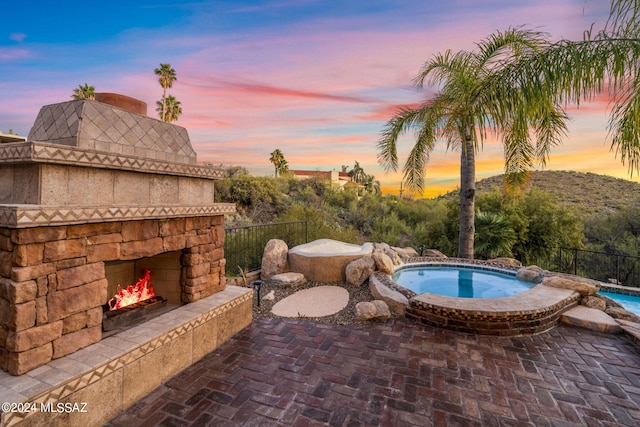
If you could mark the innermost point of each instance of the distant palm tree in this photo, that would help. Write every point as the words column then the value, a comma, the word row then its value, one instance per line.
column 357, row 174
column 284, row 167
column 166, row 76
column 279, row 162
column 171, row 108
column 371, row 185
column 84, row 92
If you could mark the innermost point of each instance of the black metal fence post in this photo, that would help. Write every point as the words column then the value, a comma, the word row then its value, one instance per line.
column 602, row 266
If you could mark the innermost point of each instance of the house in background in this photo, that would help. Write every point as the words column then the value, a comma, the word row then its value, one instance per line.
column 340, row 179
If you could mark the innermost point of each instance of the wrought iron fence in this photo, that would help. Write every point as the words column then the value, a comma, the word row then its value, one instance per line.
column 243, row 246
column 602, row 266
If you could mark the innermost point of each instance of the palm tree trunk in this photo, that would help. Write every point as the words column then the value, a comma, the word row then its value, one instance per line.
column 467, row 199
column 164, row 103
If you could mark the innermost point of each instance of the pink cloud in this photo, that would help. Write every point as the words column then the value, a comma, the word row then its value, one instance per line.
column 13, row 54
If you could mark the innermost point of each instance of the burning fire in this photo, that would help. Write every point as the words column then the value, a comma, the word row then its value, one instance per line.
column 141, row 291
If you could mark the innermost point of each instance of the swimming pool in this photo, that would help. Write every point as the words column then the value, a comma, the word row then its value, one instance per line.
column 460, row 282
column 629, row 302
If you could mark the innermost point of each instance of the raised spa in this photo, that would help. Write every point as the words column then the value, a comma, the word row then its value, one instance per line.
column 325, row 260
column 460, row 282
column 528, row 310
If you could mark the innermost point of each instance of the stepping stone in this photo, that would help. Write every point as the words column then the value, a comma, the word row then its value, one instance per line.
column 287, row 279
column 590, row 318
column 319, row 301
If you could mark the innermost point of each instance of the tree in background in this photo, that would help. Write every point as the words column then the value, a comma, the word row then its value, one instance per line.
column 360, row 177
column 575, row 71
column 371, row 185
column 170, row 108
column 166, row 76
column 357, row 174
column 462, row 115
column 84, row 92
column 279, row 162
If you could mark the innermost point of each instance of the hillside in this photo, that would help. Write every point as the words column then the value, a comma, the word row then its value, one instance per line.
column 586, row 192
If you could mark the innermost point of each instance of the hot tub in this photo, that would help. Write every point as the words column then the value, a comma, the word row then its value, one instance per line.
column 325, row 260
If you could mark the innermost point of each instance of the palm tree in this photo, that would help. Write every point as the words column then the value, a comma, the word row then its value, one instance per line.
column 171, row 108
column 371, row 185
column 166, row 76
column 573, row 71
column 358, row 176
column 284, row 167
column 495, row 236
column 84, row 92
column 277, row 158
column 462, row 114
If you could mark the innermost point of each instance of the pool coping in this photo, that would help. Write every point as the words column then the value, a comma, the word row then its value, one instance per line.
column 532, row 311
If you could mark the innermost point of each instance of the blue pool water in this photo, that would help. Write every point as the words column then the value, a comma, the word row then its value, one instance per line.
column 460, row 282
column 629, row 302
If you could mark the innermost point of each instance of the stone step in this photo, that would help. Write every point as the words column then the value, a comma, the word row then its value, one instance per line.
column 590, row 318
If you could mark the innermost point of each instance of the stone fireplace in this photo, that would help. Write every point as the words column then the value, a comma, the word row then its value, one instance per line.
column 96, row 193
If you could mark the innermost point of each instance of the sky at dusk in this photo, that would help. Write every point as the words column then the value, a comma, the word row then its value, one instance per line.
column 317, row 79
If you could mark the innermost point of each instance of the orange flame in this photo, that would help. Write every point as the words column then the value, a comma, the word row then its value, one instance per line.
column 141, row 291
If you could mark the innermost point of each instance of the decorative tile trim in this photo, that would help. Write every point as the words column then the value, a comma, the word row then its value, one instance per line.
column 41, row 152
column 25, row 216
column 76, row 384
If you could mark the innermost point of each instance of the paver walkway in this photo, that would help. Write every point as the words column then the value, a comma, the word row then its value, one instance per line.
column 296, row 373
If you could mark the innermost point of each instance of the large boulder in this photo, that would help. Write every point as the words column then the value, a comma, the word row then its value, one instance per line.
column 395, row 258
column 532, row 274
column 395, row 300
column 433, row 253
column 383, row 262
column 359, row 270
column 582, row 288
column 594, row 301
column 381, row 247
column 287, row 280
column 374, row 310
column 407, row 252
column 274, row 259
column 621, row 313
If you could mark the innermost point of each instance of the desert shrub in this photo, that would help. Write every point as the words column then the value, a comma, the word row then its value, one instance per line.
column 322, row 223
column 390, row 229
column 257, row 198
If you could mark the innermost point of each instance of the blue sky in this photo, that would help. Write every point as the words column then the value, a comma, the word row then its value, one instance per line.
column 317, row 79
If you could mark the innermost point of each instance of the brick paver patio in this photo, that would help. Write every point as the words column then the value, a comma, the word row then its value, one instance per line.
column 297, row 373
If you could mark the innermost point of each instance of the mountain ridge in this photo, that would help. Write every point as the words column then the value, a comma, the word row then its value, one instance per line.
column 586, row 192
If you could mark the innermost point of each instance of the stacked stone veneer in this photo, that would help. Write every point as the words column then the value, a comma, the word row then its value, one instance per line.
column 53, row 281
column 95, row 183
